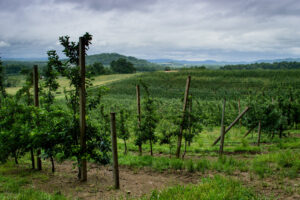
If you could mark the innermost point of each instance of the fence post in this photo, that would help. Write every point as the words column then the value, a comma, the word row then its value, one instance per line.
column 239, row 106
column 114, row 150
column 259, row 133
column 222, row 129
column 82, row 102
column 187, row 87
column 32, row 158
column 138, row 101
column 231, row 125
column 36, row 104
column 248, row 132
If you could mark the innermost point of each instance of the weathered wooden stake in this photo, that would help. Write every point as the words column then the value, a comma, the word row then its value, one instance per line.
column 82, row 102
column 114, row 150
column 239, row 105
column 222, row 129
column 259, row 133
column 190, row 104
column 32, row 159
column 36, row 104
column 248, row 132
column 187, row 87
column 231, row 125
column 138, row 100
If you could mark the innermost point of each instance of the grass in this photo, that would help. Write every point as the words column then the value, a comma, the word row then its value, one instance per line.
column 283, row 163
column 15, row 183
column 224, row 164
column 215, row 188
column 64, row 82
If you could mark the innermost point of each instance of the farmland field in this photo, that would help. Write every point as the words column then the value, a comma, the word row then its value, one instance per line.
column 246, row 170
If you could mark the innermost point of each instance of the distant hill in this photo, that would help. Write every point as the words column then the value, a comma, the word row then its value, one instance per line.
column 265, row 65
column 14, row 65
column 107, row 58
column 180, row 63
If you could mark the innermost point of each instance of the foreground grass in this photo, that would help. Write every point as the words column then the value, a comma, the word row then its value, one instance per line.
column 15, row 184
column 215, row 188
column 284, row 163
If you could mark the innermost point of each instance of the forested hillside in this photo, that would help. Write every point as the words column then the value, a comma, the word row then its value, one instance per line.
column 15, row 67
column 107, row 58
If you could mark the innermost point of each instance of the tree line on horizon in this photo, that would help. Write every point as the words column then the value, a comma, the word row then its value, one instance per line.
column 275, row 65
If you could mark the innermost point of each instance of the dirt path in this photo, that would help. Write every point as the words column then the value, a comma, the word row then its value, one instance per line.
column 137, row 183
column 133, row 183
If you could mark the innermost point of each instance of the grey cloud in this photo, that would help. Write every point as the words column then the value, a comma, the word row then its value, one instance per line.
column 100, row 5
column 107, row 5
column 190, row 29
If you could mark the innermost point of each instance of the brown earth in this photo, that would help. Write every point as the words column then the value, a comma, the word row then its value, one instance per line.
column 136, row 183
column 133, row 183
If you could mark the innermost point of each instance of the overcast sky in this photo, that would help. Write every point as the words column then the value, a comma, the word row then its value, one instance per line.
column 223, row 30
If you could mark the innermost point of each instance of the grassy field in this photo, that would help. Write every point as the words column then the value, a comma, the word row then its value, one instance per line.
column 64, row 83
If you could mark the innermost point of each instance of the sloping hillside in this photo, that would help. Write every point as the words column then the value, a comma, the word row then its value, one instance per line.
column 107, row 58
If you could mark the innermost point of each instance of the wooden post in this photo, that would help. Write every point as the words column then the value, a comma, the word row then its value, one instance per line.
column 114, row 150
column 239, row 106
column 248, row 132
column 82, row 103
column 187, row 87
column 190, row 104
column 190, row 112
column 259, row 133
column 232, row 124
column 138, row 100
column 222, row 129
column 36, row 104
column 32, row 158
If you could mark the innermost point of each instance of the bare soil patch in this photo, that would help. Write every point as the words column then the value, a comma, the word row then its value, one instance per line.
column 136, row 183
column 133, row 183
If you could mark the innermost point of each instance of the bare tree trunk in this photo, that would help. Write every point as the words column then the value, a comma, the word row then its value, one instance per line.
column 140, row 150
column 125, row 146
column 32, row 159
column 16, row 158
column 79, row 169
column 151, row 151
column 52, row 163
column 259, row 133
column 185, row 142
column 280, row 133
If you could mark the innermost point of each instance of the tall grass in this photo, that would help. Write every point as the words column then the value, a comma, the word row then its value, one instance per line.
column 215, row 188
